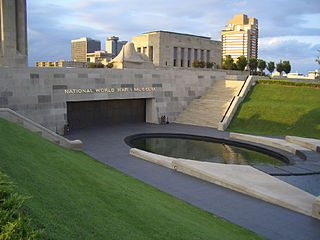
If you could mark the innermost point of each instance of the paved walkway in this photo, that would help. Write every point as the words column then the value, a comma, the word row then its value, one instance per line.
column 107, row 145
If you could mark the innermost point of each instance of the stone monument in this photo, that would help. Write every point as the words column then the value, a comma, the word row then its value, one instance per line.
column 13, row 35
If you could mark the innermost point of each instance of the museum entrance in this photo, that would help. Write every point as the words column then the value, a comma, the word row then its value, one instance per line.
column 106, row 112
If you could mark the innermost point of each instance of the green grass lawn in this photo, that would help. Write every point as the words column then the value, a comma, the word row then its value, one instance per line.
column 76, row 197
column 279, row 111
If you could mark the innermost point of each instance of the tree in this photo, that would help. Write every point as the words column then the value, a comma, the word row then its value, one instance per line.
column 227, row 63
column 262, row 65
column 253, row 64
column 286, row 67
column 242, row 63
column 318, row 59
column 280, row 67
column 270, row 67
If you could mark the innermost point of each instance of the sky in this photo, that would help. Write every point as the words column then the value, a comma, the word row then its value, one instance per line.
column 288, row 30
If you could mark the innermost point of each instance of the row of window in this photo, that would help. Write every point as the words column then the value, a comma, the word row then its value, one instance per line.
column 189, row 52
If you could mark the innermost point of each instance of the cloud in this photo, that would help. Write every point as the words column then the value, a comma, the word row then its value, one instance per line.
column 53, row 23
column 301, row 54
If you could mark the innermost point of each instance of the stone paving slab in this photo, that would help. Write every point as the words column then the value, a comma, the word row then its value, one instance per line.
column 107, row 144
column 251, row 181
column 313, row 144
column 272, row 170
column 273, row 142
column 296, row 170
column 241, row 178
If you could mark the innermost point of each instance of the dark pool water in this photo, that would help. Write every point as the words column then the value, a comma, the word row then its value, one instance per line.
column 203, row 151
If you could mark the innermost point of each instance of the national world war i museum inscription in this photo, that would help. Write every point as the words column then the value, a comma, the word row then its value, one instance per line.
column 44, row 95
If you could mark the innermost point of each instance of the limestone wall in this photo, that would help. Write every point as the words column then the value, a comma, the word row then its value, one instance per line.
column 41, row 94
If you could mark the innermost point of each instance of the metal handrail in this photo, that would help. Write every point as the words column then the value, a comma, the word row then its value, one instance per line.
column 228, row 109
column 233, row 99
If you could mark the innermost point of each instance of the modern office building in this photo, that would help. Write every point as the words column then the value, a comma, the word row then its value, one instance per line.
column 80, row 48
column 240, row 37
column 114, row 46
column 170, row 49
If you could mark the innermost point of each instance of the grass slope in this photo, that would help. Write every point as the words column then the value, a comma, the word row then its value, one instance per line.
column 77, row 197
column 279, row 111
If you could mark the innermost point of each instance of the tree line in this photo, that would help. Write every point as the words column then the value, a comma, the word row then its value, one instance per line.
column 254, row 64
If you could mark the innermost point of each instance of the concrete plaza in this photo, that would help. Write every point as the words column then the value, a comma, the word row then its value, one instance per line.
column 107, row 145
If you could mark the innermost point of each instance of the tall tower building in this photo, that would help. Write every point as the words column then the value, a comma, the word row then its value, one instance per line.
column 13, row 33
column 80, row 48
column 240, row 37
column 114, row 46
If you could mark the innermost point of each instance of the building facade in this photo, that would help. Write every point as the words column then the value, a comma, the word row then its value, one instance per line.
column 99, row 57
column 61, row 63
column 114, row 46
column 80, row 48
column 13, row 33
column 240, row 37
column 169, row 49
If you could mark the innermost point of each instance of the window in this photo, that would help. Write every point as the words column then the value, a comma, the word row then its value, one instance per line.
column 139, row 49
column 196, row 54
column 145, row 50
column 208, row 55
column 175, row 51
column 182, row 57
column 201, row 55
column 151, row 53
column 189, row 56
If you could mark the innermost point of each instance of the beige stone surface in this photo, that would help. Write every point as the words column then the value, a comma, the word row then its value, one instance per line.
column 26, row 123
column 316, row 208
column 312, row 144
column 210, row 108
column 273, row 142
column 151, row 157
column 241, row 178
column 250, row 181
column 159, row 47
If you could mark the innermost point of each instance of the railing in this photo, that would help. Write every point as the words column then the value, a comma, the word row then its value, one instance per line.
column 228, row 109
column 242, row 86
column 233, row 99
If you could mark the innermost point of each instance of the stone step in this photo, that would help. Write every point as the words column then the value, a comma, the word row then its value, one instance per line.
column 209, row 109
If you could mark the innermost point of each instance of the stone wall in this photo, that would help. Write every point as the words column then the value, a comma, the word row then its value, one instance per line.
column 41, row 94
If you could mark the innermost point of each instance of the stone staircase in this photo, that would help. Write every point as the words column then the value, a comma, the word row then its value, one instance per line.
column 210, row 108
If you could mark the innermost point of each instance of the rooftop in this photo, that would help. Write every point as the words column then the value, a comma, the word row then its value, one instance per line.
column 190, row 35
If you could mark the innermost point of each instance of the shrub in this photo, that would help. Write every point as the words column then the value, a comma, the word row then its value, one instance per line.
column 13, row 224
column 195, row 63
column 109, row 65
column 209, row 64
column 289, row 83
column 198, row 64
column 95, row 65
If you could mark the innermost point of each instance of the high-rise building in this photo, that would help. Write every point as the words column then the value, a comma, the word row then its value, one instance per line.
column 114, row 46
column 240, row 37
column 80, row 48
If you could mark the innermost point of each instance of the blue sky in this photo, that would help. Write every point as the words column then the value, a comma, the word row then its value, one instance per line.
column 288, row 30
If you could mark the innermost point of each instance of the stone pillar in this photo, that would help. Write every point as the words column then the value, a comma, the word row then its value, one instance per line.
column 13, row 44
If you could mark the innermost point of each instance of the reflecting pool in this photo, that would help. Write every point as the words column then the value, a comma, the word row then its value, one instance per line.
column 201, row 150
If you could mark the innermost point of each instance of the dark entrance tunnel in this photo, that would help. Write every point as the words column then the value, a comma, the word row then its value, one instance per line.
column 105, row 112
